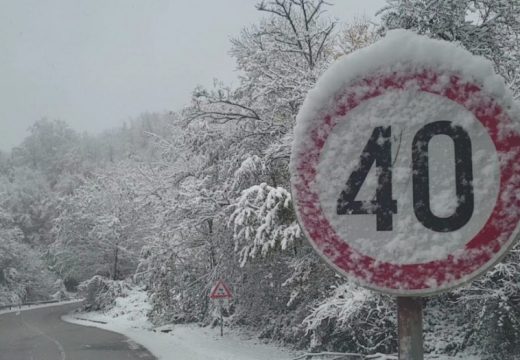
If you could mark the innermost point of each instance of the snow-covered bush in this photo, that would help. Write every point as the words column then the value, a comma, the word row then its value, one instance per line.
column 100, row 293
column 178, row 286
column 353, row 319
column 71, row 284
column 61, row 293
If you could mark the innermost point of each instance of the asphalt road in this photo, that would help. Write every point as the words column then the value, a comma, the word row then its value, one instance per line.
column 40, row 334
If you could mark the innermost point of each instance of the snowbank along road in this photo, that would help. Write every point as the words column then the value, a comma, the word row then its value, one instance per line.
column 40, row 334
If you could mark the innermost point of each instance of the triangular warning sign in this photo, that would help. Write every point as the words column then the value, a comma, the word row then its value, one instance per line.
column 220, row 291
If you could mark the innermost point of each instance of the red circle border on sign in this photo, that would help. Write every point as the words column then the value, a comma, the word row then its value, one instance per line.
column 492, row 241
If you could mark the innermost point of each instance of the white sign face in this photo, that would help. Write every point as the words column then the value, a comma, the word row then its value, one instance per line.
column 406, row 239
column 405, row 175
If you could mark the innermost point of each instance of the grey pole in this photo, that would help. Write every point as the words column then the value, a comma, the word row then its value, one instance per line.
column 410, row 328
column 220, row 301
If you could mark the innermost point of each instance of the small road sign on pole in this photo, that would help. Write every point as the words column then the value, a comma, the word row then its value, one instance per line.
column 405, row 168
column 221, row 292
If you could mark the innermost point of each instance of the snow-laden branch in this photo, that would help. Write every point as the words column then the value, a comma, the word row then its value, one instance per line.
column 262, row 220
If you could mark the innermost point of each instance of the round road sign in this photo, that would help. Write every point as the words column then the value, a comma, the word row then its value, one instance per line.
column 405, row 168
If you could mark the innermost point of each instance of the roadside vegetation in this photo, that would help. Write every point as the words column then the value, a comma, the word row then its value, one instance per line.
column 174, row 201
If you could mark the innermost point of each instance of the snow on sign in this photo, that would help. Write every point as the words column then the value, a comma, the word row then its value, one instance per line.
column 405, row 168
column 220, row 291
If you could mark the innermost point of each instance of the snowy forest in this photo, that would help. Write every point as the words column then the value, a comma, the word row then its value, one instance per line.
column 172, row 202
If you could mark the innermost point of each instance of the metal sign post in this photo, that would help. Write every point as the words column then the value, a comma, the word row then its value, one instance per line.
column 409, row 328
column 220, row 302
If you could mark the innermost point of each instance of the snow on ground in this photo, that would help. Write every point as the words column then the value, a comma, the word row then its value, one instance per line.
column 184, row 342
column 192, row 342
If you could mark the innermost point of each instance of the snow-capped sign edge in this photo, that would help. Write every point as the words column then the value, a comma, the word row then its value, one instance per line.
column 219, row 287
column 425, row 61
column 401, row 50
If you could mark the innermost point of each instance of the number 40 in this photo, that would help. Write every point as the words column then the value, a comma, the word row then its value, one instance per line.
column 379, row 150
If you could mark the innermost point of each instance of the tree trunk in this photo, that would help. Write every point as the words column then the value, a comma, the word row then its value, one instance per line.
column 116, row 253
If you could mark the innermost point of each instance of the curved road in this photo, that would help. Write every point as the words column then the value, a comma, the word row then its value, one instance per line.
column 40, row 334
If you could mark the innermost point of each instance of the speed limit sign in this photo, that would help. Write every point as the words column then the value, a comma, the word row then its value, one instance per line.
column 405, row 168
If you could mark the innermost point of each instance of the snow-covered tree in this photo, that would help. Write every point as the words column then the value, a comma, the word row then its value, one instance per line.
column 51, row 148
column 26, row 196
column 24, row 275
column 101, row 227
column 484, row 27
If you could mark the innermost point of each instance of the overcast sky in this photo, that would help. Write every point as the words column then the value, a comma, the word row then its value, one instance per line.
column 97, row 63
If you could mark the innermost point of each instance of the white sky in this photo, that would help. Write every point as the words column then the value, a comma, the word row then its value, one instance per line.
column 97, row 63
